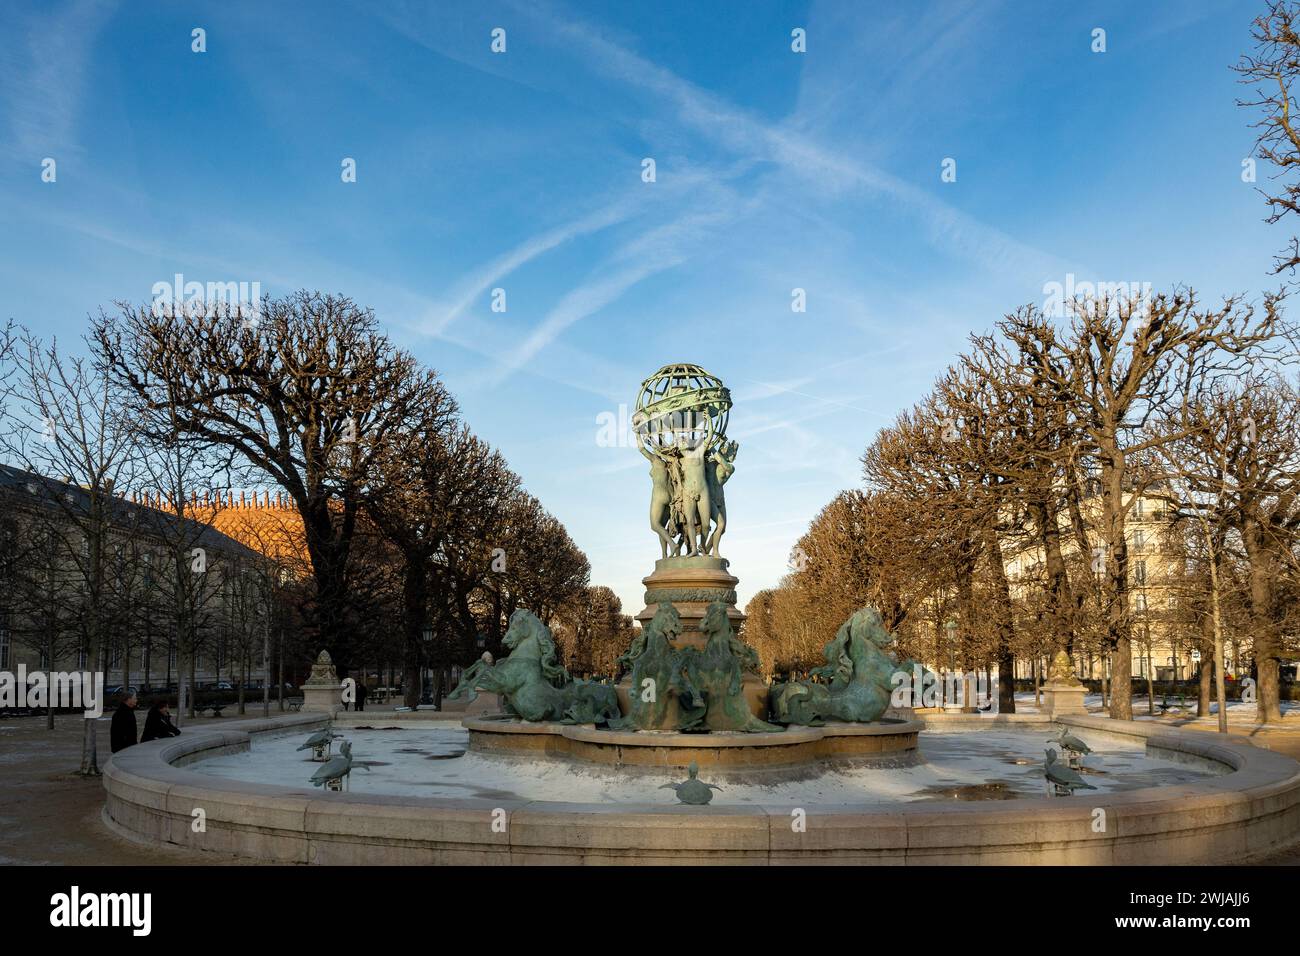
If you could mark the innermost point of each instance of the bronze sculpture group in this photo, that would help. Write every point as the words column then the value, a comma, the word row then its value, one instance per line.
column 680, row 423
column 531, row 682
column 689, row 689
column 688, row 510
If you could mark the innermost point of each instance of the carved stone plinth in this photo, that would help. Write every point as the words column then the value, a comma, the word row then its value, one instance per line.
column 322, row 698
column 691, row 585
column 1064, row 699
column 1063, row 693
column 323, row 692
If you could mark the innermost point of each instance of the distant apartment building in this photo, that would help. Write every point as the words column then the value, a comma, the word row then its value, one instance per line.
column 44, row 554
column 1165, row 643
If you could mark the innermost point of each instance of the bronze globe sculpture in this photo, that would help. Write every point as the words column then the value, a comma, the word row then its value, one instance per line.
column 681, row 427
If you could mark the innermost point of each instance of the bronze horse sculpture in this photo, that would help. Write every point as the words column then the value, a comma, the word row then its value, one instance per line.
column 533, row 684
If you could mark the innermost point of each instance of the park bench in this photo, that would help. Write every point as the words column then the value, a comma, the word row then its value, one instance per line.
column 215, row 708
column 293, row 703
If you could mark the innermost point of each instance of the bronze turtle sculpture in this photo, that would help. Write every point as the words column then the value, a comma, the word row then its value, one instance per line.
column 693, row 790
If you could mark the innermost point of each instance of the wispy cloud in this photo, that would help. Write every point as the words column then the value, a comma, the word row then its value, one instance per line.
column 472, row 287
column 645, row 255
column 794, row 149
column 44, row 64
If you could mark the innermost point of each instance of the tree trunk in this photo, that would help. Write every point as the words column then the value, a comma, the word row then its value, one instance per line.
column 1206, row 645
column 1263, row 573
column 415, row 610
column 49, row 698
column 147, row 661
column 329, row 551
column 1060, row 600
column 1217, row 616
column 279, row 670
column 1003, row 623
column 266, row 671
column 1116, row 563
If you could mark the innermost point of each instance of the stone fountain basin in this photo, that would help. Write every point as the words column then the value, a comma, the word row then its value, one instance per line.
column 1249, row 810
column 888, row 739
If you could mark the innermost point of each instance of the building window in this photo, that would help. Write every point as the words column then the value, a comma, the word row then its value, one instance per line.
column 1137, row 508
column 1140, row 572
column 4, row 640
column 1140, row 603
column 1139, row 540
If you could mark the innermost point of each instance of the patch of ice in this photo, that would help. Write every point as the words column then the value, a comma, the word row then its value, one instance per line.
column 433, row 762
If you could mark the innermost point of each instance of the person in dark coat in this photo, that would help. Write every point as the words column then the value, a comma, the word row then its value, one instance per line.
column 158, row 723
column 362, row 694
column 122, row 731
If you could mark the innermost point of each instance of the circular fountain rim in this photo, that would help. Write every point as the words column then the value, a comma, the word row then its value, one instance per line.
column 1250, row 811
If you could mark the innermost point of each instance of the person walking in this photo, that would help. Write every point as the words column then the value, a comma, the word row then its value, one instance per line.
column 122, row 731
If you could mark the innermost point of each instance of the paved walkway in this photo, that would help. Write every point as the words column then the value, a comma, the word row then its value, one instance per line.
column 50, row 814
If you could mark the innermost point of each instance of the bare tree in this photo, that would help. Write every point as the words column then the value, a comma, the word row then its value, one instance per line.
column 306, row 390
column 1272, row 71
column 1121, row 363
column 420, row 480
column 74, row 427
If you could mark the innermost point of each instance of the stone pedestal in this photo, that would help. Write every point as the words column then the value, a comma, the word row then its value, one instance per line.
column 1064, row 699
column 323, row 692
column 690, row 585
column 322, row 698
column 1063, row 693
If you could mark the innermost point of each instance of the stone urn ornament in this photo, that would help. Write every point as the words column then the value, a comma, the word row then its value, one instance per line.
column 1063, row 693
column 323, row 691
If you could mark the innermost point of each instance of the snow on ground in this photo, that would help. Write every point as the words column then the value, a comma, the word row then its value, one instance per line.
column 1237, row 710
column 955, row 766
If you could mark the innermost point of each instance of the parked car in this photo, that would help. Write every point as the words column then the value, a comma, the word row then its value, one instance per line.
column 117, row 689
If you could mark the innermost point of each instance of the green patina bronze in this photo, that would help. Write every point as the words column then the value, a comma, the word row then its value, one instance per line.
column 533, row 684
column 716, row 674
column 681, row 426
column 693, row 790
column 691, row 595
column 858, row 676
column 656, row 674
column 706, row 685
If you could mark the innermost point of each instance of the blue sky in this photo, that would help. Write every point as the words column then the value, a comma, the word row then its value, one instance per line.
column 522, row 171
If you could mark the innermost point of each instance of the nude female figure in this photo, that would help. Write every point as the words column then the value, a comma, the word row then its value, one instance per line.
column 661, row 500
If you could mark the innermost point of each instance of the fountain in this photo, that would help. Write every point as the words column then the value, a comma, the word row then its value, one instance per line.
column 691, row 693
column 692, row 757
